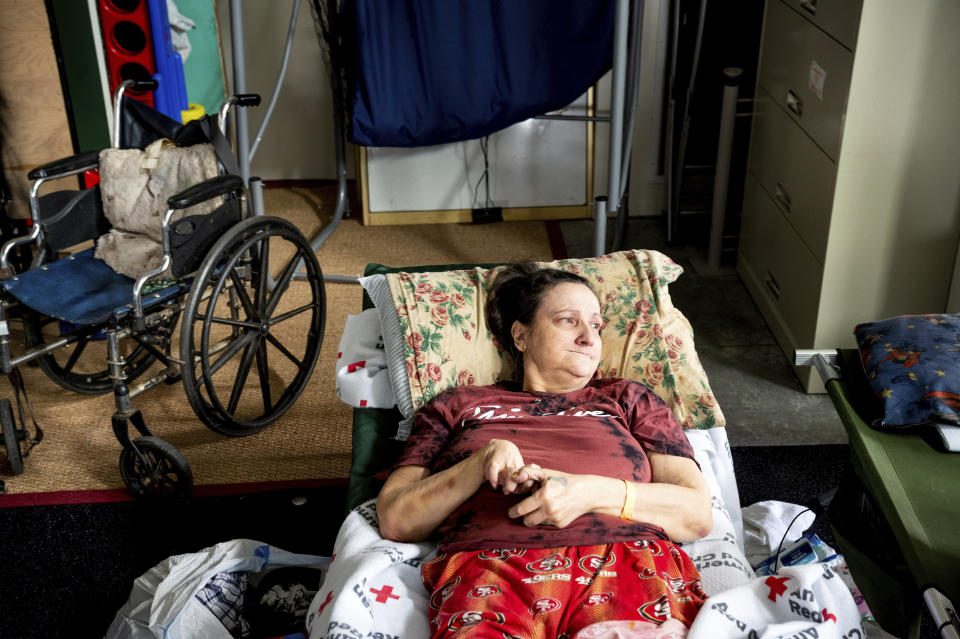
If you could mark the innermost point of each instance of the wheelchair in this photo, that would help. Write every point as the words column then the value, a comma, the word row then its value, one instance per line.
column 246, row 343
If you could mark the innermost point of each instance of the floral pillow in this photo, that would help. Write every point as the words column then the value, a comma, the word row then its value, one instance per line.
column 447, row 343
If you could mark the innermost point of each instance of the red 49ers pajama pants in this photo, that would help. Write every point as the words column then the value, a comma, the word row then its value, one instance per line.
column 532, row 593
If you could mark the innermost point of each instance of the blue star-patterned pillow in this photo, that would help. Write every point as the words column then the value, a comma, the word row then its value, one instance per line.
column 913, row 365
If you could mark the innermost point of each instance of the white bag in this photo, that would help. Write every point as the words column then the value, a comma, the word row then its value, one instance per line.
column 162, row 602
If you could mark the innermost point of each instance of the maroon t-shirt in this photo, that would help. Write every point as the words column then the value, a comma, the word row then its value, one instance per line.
column 602, row 429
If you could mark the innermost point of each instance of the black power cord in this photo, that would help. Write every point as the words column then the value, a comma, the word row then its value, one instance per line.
column 776, row 560
column 485, row 176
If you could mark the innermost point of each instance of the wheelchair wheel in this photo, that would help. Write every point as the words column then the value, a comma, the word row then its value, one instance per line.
column 249, row 348
column 10, row 439
column 153, row 468
column 80, row 367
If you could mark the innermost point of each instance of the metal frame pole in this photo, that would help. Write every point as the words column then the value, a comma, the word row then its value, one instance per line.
column 240, row 87
column 721, row 180
column 615, row 152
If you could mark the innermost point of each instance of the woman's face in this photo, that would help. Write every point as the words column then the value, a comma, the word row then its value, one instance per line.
column 561, row 346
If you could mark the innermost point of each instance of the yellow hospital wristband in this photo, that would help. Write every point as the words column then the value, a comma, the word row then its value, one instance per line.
column 628, row 500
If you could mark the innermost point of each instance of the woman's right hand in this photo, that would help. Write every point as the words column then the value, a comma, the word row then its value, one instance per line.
column 499, row 460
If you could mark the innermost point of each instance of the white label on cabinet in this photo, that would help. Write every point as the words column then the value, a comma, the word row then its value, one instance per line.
column 817, row 77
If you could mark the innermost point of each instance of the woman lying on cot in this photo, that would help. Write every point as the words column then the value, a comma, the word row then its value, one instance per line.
column 556, row 500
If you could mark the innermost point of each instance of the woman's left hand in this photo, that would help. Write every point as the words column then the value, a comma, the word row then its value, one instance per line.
column 560, row 498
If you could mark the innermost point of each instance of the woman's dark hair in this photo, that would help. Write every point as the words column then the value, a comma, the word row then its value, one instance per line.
column 515, row 296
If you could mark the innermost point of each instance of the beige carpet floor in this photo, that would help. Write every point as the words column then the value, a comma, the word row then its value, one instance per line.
column 312, row 440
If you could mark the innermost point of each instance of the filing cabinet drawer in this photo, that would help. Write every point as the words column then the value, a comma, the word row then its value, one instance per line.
column 794, row 172
column 807, row 73
column 789, row 275
column 839, row 18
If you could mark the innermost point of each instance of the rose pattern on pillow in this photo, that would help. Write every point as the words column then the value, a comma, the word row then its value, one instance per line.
column 644, row 338
column 443, row 309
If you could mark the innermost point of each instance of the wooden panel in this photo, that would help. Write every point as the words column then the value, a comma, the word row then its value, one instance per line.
column 794, row 172
column 32, row 115
column 839, row 18
column 465, row 216
column 808, row 74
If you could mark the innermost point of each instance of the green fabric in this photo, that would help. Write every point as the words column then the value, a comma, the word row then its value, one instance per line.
column 374, row 451
column 380, row 269
column 202, row 68
column 915, row 485
column 81, row 81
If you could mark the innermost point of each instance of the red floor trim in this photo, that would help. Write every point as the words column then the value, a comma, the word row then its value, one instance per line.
column 64, row 497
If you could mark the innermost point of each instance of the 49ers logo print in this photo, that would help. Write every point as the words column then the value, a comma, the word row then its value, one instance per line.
column 549, row 564
column 593, row 564
column 469, row 618
column 644, row 544
column 484, row 591
column 675, row 584
column 545, row 605
column 656, row 611
column 598, row 599
column 502, row 554
column 443, row 593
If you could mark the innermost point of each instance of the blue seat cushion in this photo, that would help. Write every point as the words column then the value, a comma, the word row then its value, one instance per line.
column 81, row 289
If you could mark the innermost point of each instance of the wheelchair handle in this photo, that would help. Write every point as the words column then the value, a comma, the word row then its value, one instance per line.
column 208, row 189
column 145, row 85
column 243, row 99
column 248, row 99
column 136, row 85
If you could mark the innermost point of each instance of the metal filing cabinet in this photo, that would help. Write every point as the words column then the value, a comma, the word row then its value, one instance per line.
column 826, row 232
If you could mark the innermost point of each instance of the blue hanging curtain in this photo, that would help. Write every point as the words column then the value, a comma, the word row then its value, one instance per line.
column 436, row 71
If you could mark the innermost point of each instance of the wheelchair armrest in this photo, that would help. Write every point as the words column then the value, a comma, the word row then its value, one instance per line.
column 208, row 189
column 66, row 166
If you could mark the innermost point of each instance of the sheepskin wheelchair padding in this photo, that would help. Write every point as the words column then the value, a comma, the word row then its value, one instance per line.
column 135, row 186
column 131, row 254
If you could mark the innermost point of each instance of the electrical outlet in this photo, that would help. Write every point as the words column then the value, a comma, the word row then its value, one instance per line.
column 487, row 215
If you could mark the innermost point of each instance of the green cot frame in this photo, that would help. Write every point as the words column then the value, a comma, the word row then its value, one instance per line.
column 914, row 489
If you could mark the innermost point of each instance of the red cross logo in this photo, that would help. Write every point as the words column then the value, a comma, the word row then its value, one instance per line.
column 352, row 368
column 384, row 594
column 325, row 603
column 777, row 587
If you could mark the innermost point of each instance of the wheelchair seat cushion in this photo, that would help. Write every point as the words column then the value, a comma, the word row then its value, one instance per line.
column 81, row 289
